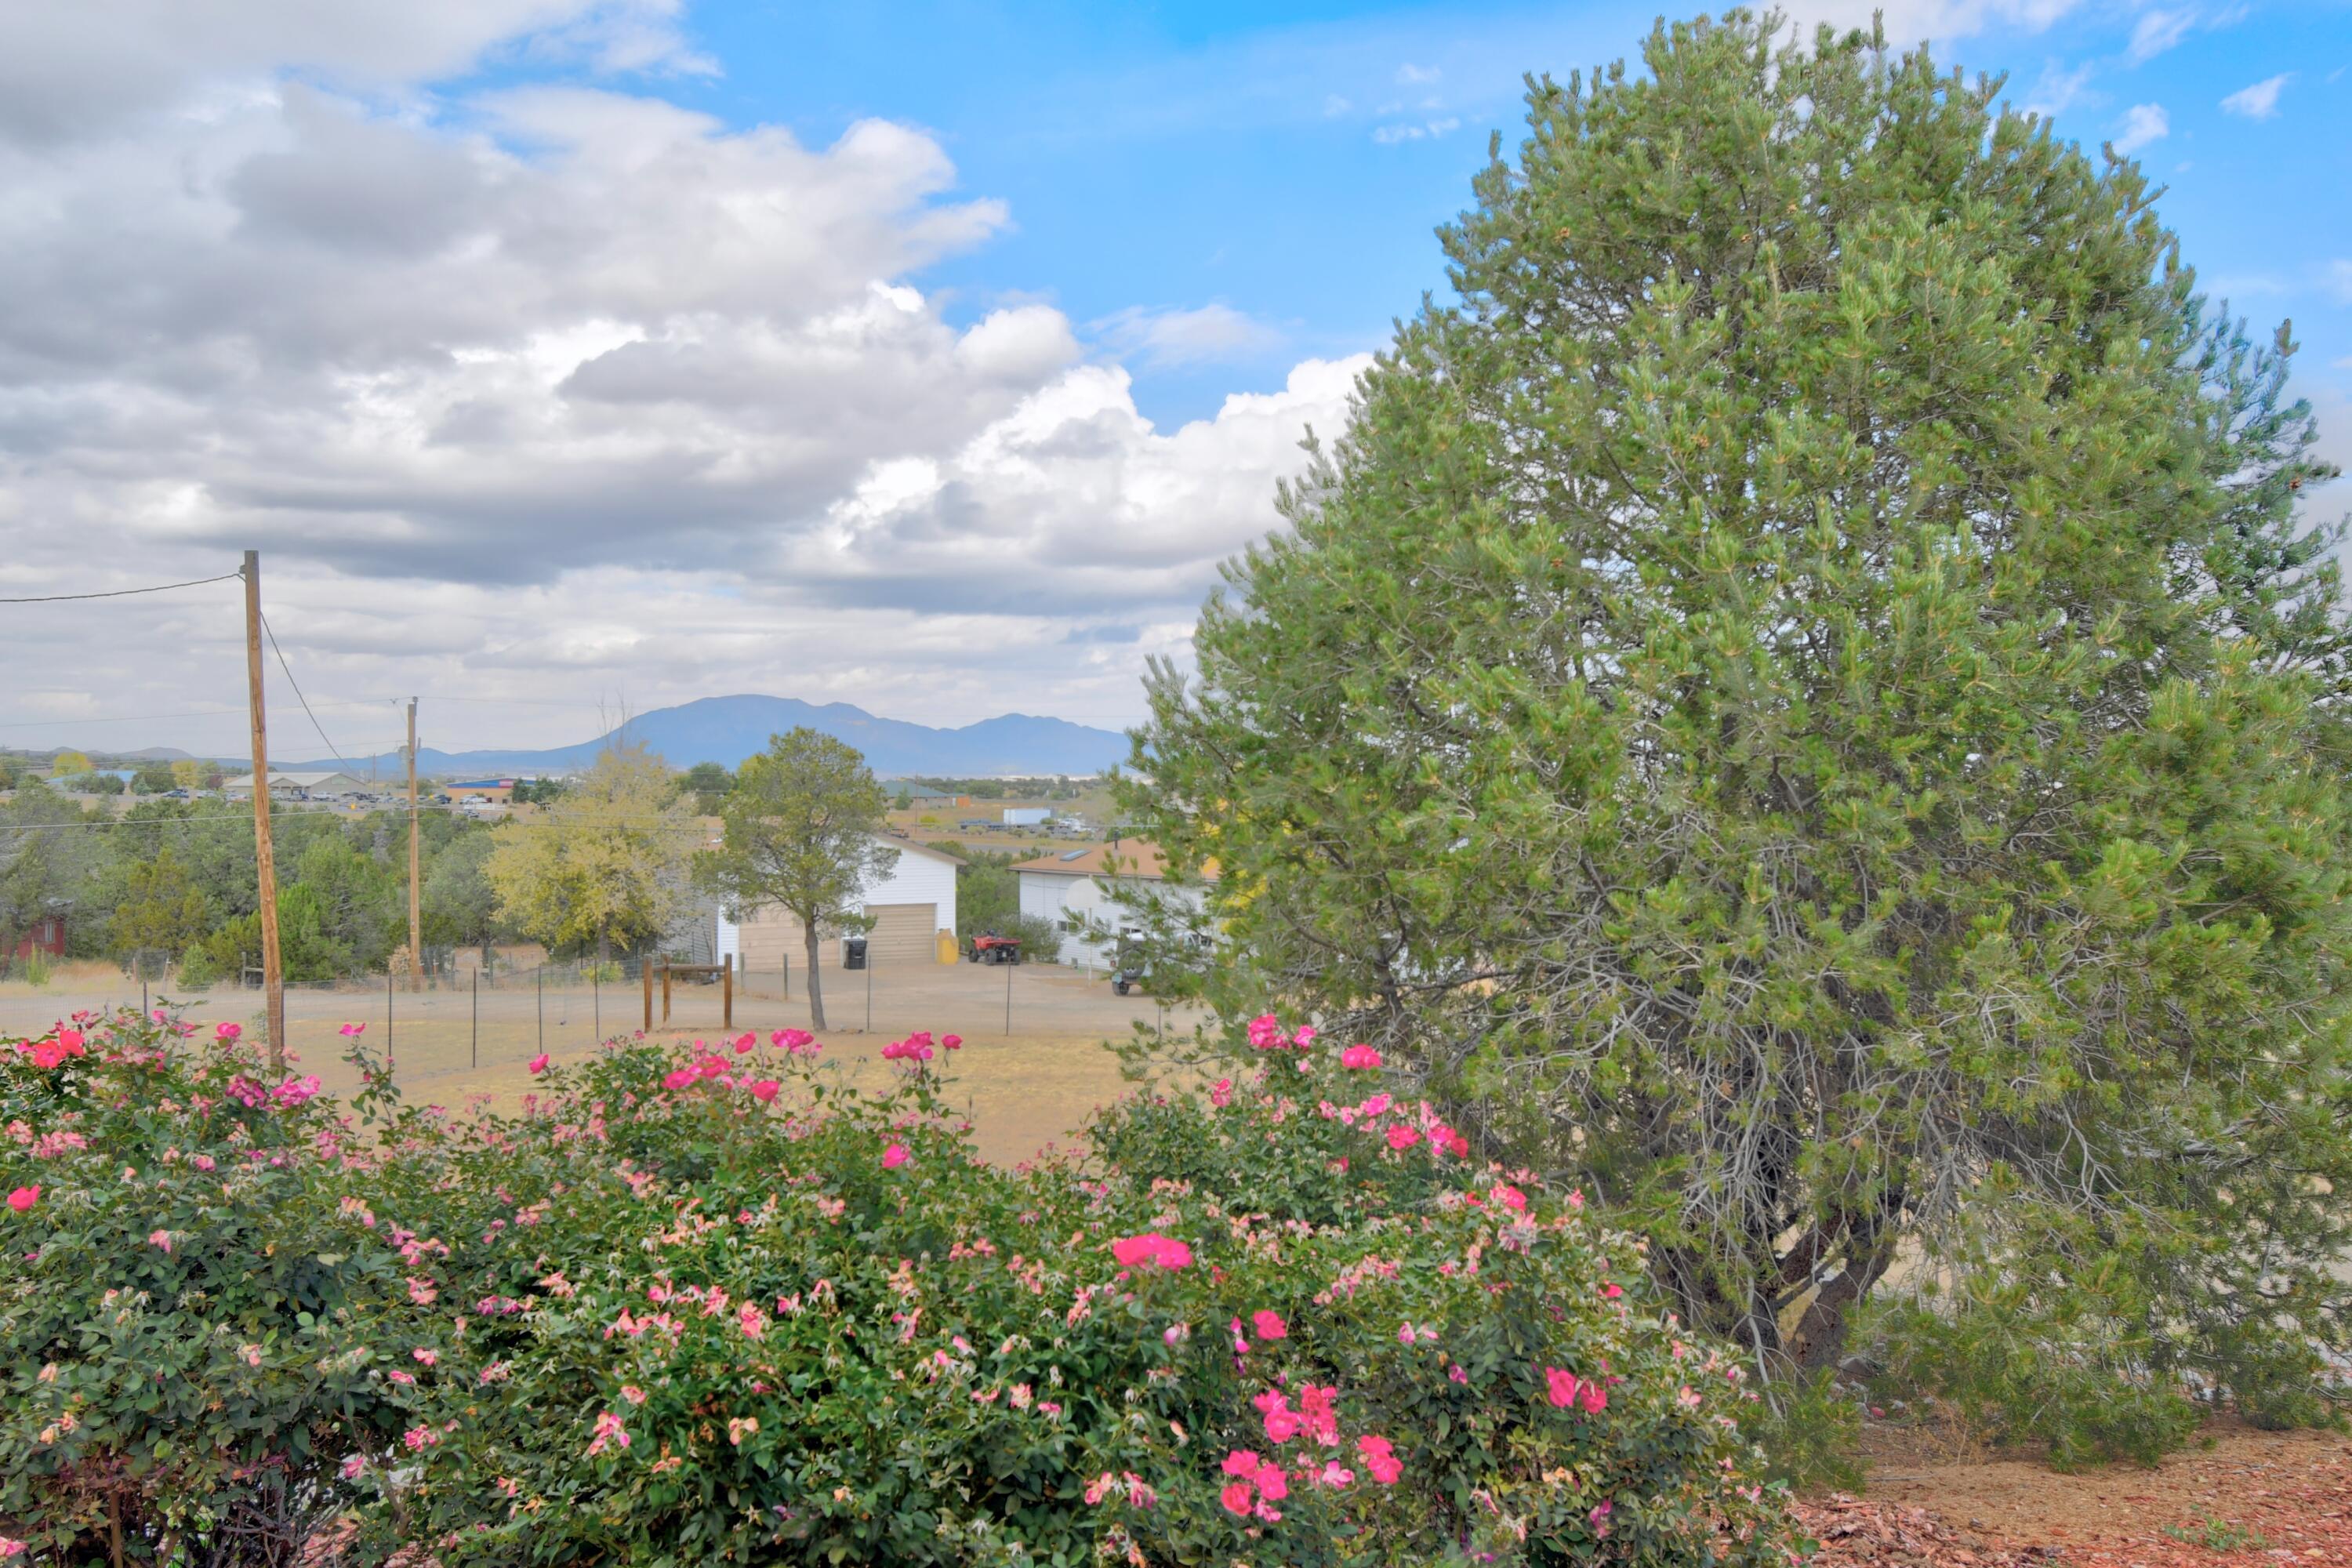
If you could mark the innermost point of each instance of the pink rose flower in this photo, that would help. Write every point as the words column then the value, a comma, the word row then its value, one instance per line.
column 1269, row 1326
column 1563, row 1388
column 894, row 1156
column 1151, row 1248
column 24, row 1198
column 608, row 1431
column 1281, row 1423
column 537, row 1064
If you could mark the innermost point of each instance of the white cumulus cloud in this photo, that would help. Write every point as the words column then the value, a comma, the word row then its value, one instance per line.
column 557, row 391
column 2142, row 123
column 2259, row 101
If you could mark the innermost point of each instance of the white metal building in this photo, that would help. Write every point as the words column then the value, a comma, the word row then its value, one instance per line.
column 318, row 787
column 1027, row 815
column 1073, row 889
column 911, row 907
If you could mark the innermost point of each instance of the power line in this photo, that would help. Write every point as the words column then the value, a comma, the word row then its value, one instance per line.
column 298, row 695
column 124, row 592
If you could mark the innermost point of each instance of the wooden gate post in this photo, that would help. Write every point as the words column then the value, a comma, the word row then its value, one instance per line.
column 726, row 993
column 645, row 968
column 665, row 992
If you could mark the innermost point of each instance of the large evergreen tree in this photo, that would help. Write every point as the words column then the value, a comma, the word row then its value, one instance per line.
column 1798, row 702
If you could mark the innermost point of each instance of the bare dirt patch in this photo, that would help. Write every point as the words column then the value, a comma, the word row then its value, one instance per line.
column 2242, row 1497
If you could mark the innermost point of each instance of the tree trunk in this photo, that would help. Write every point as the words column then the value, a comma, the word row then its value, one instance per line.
column 1819, row 1337
column 815, row 985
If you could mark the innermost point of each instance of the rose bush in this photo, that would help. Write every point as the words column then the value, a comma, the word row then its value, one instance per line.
column 703, row 1305
column 195, row 1311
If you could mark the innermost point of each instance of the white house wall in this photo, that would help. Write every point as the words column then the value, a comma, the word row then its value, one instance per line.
column 1068, row 901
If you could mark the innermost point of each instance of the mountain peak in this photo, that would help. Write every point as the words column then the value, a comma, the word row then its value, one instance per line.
column 728, row 729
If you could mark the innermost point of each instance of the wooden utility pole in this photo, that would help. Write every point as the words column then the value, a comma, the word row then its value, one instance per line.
column 415, row 921
column 273, row 971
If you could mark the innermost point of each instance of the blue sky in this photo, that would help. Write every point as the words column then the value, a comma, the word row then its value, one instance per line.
column 562, row 355
column 1176, row 155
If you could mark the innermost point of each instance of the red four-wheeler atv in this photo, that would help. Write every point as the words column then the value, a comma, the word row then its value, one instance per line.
column 990, row 948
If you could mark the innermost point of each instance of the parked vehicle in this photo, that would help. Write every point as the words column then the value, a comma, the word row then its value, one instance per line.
column 990, row 948
column 1131, row 969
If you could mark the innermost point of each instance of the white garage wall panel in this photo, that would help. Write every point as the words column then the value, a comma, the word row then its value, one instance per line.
column 911, row 907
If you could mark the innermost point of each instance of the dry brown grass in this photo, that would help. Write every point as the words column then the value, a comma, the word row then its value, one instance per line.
column 1032, row 1086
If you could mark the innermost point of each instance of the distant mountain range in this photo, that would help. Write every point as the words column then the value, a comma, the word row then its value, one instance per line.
column 726, row 730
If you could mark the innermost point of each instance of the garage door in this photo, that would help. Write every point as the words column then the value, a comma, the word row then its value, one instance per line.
column 904, row 935
column 770, row 939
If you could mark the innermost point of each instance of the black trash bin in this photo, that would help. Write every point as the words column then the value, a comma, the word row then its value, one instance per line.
column 853, row 953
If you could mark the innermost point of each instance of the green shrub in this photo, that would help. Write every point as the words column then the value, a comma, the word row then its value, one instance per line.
column 2035, row 1363
column 1810, row 1433
column 197, row 1315
column 711, row 1307
column 198, row 969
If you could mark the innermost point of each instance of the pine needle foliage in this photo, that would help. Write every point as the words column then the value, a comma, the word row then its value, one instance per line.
column 1804, row 700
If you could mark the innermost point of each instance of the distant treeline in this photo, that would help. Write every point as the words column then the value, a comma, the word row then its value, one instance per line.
column 177, row 879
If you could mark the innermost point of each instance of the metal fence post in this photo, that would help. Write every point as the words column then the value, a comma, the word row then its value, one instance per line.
column 596, row 997
column 869, row 987
column 475, row 1034
column 1008, row 993
column 541, row 973
column 388, row 1018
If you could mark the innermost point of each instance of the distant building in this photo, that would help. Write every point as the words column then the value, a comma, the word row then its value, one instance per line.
column 910, row 907
column 1027, row 815
column 924, row 794
column 498, row 792
column 1074, row 889
column 46, row 934
column 315, row 786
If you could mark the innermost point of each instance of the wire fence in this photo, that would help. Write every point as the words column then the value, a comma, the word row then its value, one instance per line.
column 460, row 1029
